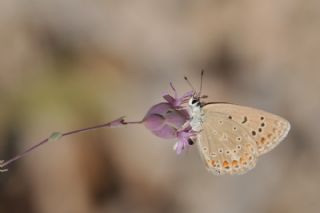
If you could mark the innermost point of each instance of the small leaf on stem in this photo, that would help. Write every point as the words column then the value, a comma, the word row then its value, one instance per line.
column 55, row 136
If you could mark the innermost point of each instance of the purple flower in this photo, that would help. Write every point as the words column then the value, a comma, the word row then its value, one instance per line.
column 183, row 139
column 164, row 121
column 175, row 101
column 168, row 119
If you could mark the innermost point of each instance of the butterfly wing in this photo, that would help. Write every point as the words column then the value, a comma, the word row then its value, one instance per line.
column 267, row 129
column 225, row 146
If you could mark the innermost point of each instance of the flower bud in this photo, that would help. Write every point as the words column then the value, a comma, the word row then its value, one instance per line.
column 164, row 120
column 171, row 119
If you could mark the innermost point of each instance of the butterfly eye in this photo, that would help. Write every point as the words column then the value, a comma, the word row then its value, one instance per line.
column 194, row 101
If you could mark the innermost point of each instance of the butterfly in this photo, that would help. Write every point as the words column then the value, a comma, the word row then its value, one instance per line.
column 231, row 137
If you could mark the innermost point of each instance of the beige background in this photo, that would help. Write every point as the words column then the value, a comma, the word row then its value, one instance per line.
column 71, row 64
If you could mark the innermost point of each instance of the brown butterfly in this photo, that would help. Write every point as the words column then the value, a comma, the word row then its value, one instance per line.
column 231, row 137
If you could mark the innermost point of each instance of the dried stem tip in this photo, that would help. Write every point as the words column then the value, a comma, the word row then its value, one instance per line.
column 1, row 166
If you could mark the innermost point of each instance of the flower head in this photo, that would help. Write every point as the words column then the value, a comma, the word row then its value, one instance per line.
column 170, row 119
column 164, row 121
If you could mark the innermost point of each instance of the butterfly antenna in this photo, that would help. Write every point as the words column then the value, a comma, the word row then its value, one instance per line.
column 200, row 91
column 185, row 78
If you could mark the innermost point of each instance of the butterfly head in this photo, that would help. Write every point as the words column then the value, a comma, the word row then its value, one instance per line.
column 194, row 101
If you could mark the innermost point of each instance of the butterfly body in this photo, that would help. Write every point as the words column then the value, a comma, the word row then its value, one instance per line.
column 196, row 114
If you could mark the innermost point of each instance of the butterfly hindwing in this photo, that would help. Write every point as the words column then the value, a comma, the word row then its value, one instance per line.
column 225, row 146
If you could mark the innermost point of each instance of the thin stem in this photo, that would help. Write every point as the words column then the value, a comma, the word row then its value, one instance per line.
column 98, row 127
column 24, row 153
column 116, row 123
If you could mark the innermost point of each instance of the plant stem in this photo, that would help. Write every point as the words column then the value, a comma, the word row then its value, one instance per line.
column 116, row 123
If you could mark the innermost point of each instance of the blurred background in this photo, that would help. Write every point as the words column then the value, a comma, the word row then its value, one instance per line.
column 71, row 64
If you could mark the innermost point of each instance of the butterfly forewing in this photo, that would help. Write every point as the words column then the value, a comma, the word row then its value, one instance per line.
column 267, row 129
column 225, row 146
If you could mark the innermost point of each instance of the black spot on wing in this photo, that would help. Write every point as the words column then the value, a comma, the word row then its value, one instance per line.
column 245, row 119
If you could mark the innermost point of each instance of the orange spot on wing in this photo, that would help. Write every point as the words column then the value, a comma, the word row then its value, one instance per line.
column 235, row 163
column 226, row 164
